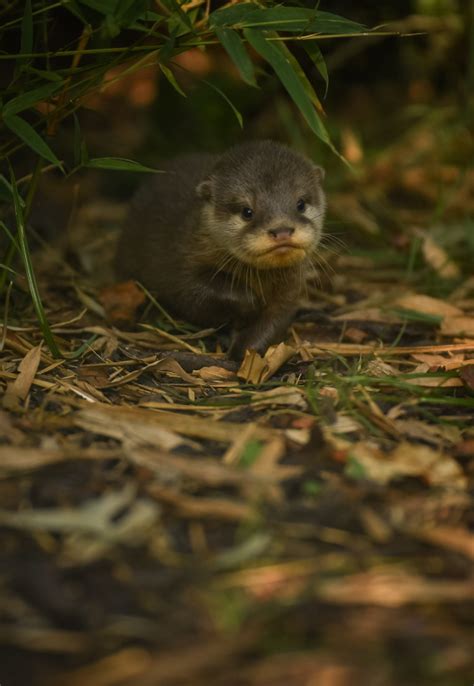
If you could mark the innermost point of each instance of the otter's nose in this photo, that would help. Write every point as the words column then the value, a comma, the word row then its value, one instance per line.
column 282, row 233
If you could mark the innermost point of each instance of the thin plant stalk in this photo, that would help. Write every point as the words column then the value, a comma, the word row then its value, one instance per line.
column 20, row 216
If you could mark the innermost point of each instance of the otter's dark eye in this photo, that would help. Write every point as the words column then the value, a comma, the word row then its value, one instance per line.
column 247, row 213
column 301, row 205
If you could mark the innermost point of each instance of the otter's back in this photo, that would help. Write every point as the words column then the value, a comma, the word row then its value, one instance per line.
column 160, row 221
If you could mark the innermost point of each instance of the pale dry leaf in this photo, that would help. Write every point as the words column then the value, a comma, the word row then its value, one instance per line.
column 234, row 451
column 100, row 416
column 268, row 458
column 173, row 368
column 343, row 424
column 437, row 434
column 422, row 379
column 393, row 588
column 286, row 396
column 369, row 314
column 214, row 373
column 201, row 507
column 450, row 537
column 169, row 467
column 379, row 367
column 440, row 362
column 18, row 390
column 408, row 459
column 19, row 459
column 458, row 326
column 298, row 436
column 127, row 429
column 96, row 517
column 438, row 259
column 252, row 368
column 377, row 528
column 256, row 369
column 427, row 305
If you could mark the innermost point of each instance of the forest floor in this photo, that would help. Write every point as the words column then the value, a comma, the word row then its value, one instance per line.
column 170, row 518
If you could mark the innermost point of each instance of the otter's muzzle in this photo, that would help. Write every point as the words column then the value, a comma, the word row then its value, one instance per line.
column 282, row 233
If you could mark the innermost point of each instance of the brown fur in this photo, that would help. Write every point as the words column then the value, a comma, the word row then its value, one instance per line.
column 186, row 239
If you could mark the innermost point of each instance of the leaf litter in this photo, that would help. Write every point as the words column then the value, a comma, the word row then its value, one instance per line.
column 185, row 513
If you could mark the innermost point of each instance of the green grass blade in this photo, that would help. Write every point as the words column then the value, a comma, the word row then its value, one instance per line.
column 29, row 271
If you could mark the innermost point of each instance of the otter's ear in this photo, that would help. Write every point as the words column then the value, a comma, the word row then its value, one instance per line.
column 319, row 173
column 204, row 190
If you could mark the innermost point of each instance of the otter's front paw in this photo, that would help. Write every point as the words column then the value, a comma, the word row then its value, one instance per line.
column 242, row 341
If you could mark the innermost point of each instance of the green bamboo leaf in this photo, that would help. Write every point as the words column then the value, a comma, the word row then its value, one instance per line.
column 179, row 22
column 235, row 14
column 235, row 48
column 26, row 45
column 172, row 79
column 297, row 68
column 119, row 164
column 26, row 100
column 313, row 50
column 273, row 54
column 106, row 7
column 128, row 11
column 234, row 109
column 48, row 75
column 28, row 135
column 281, row 18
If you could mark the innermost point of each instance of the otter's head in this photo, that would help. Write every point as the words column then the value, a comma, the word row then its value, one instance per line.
column 264, row 204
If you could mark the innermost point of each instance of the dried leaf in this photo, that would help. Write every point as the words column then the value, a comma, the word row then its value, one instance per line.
column 408, row 459
column 436, row 434
column 214, row 373
column 281, row 395
column 457, row 326
column 121, row 302
column 18, row 390
column 467, row 375
column 438, row 259
column 370, row 314
column 425, row 381
column 96, row 517
column 256, row 369
column 127, row 428
column 107, row 420
column 428, row 305
column 436, row 362
column 201, row 507
column 393, row 588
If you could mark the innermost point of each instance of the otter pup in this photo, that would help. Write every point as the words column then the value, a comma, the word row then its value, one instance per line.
column 228, row 239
